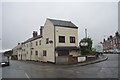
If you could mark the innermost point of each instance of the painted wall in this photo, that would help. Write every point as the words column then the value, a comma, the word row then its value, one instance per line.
column 53, row 33
column 48, row 32
column 67, row 32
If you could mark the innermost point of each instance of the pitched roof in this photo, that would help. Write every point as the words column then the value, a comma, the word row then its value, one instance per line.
column 33, row 38
column 62, row 23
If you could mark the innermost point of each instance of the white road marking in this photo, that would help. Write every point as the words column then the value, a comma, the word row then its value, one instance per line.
column 27, row 76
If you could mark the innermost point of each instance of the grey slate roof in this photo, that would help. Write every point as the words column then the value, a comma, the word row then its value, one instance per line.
column 62, row 23
column 33, row 38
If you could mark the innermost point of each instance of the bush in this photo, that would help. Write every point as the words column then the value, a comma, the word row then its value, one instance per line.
column 86, row 50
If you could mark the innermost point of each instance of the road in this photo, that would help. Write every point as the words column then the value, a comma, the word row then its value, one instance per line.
column 28, row 69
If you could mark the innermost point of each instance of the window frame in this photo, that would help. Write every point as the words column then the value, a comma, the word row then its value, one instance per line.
column 47, row 40
column 44, row 52
column 36, row 53
column 72, row 39
column 39, row 42
column 31, row 53
column 36, row 43
column 61, row 39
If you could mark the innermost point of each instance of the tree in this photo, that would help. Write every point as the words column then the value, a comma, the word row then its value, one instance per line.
column 87, row 47
column 8, row 53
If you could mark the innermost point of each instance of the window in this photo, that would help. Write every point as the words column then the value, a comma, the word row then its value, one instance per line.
column 31, row 52
column 31, row 44
column 39, row 42
column 61, row 39
column 44, row 53
column 72, row 39
column 47, row 40
column 36, row 43
column 36, row 53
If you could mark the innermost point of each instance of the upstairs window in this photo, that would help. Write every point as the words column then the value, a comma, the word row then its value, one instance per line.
column 39, row 42
column 47, row 40
column 31, row 44
column 61, row 39
column 36, row 43
column 72, row 39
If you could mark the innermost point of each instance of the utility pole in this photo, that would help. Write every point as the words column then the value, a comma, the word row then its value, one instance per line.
column 85, row 33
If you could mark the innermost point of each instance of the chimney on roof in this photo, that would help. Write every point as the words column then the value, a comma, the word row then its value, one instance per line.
column 116, row 34
column 41, row 30
column 103, row 40
column 110, row 36
column 18, row 43
column 35, row 33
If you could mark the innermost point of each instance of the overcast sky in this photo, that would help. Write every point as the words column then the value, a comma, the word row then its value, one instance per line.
column 19, row 19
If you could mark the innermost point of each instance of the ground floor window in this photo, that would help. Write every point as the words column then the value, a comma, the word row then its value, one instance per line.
column 44, row 53
column 31, row 52
column 36, row 53
column 63, row 53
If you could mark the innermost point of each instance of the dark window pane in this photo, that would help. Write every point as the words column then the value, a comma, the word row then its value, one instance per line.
column 36, row 43
column 61, row 39
column 47, row 40
column 44, row 53
column 31, row 52
column 40, row 42
column 36, row 52
column 72, row 39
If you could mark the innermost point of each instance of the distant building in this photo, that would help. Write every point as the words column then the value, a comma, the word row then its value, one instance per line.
column 112, row 44
column 57, row 38
column 15, row 49
column 99, row 47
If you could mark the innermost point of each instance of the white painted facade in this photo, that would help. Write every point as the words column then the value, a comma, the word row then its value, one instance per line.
column 38, row 50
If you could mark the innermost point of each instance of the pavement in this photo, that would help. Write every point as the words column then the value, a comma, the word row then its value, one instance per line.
column 99, row 59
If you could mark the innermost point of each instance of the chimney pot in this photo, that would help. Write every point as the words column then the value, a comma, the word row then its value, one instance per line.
column 34, row 33
column 41, row 30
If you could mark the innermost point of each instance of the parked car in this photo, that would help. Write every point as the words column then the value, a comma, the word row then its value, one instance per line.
column 5, row 61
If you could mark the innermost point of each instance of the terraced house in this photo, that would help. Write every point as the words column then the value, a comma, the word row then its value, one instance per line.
column 57, row 39
column 112, row 44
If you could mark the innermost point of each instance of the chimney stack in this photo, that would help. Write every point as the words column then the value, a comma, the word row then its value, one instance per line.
column 18, row 43
column 110, row 36
column 103, row 40
column 41, row 30
column 34, row 33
